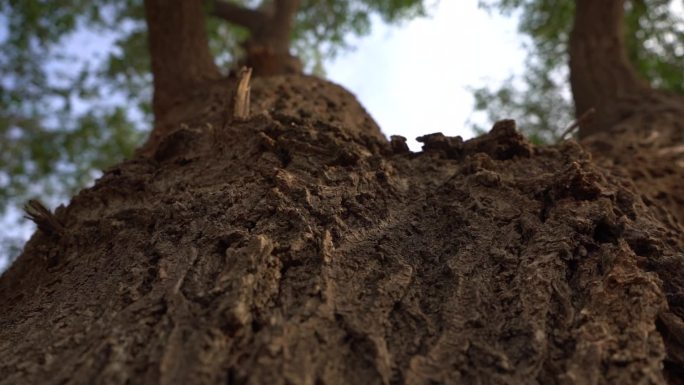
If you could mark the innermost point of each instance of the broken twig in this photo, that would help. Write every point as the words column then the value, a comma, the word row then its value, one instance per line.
column 43, row 218
column 241, row 102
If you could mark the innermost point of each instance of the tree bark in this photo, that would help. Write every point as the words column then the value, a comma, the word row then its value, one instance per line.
column 636, row 132
column 300, row 247
column 645, row 120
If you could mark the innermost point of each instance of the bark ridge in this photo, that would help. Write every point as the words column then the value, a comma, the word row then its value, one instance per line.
column 300, row 247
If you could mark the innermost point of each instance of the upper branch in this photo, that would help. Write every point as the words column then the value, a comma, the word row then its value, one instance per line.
column 251, row 19
column 283, row 22
column 267, row 50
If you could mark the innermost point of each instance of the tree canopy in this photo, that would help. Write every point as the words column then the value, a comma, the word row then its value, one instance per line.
column 540, row 98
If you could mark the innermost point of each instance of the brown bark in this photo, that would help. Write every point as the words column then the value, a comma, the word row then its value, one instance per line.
column 645, row 120
column 636, row 132
column 300, row 247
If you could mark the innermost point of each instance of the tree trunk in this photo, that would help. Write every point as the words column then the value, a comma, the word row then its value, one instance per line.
column 300, row 247
column 600, row 73
column 637, row 132
column 181, row 62
column 647, row 122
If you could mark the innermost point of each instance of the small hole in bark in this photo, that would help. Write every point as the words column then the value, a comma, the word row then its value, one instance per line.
column 606, row 232
column 284, row 156
column 228, row 240
column 346, row 158
column 571, row 269
column 234, row 378
column 547, row 204
column 643, row 247
column 255, row 327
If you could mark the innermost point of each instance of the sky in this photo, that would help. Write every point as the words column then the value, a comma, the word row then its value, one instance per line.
column 412, row 78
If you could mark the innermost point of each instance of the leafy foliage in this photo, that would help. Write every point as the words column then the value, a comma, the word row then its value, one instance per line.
column 58, row 120
column 541, row 100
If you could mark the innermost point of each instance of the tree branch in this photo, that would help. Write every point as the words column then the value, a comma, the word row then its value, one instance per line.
column 251, row 19
column 268, row 47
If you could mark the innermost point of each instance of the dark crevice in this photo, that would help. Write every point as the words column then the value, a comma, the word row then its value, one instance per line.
column 284, row 156
column 607, row 232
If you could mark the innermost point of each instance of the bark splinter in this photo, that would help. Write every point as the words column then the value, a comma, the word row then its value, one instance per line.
column 241, row 105
column 43, row 218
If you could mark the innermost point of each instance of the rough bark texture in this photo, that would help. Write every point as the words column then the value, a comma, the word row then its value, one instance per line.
column 638, row 132
column 646, row 146
column 300, row 247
